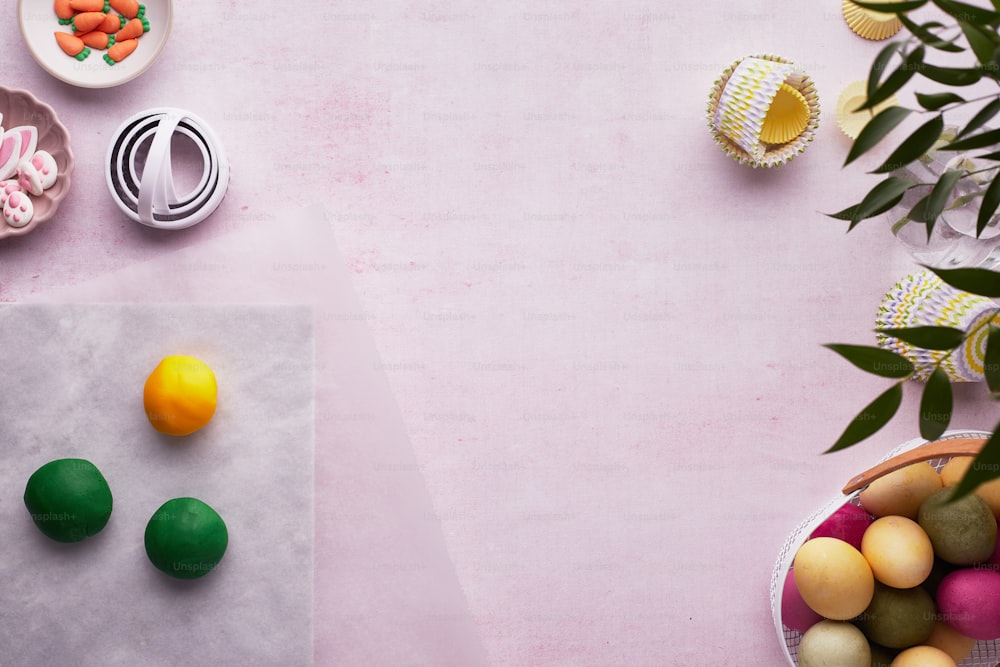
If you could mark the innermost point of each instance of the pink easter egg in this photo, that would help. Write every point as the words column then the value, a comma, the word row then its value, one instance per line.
column 969, row 601
column 848, row 523
column 795, row 613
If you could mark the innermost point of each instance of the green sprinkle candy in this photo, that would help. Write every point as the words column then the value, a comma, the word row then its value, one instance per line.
column 83, row 54
column 145, row 23
column 65, row 21
column 122, row 21
column 142, row 12
column 111, row 41
column 107, row 6
column 109, row 60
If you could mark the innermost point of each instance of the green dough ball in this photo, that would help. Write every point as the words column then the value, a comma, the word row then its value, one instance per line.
column 68, row 499
column 186, row 538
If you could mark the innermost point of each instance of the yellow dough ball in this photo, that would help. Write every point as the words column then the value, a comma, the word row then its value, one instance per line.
column 179, row 396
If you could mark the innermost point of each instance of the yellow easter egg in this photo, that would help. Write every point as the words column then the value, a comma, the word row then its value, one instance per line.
column 951, row 641
column 902, row 491
column 833, row 578
column 923, row 656
column 898, row 551
column 955, row 469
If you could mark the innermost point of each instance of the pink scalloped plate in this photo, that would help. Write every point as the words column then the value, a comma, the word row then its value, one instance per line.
column 20, row 107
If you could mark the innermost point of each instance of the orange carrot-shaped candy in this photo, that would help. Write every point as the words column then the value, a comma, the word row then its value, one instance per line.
column 132, row 29
column 127, row 8
column 120, row 51
column 96, row 39
column 87, row 21
column 87, row 5
column 72, row 45
column 64, row 11
column 112, row 24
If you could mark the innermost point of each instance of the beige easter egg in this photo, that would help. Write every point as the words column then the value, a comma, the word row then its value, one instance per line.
column 834, row 643
column 901, row 492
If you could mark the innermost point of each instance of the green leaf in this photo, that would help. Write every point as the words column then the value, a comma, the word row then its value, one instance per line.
column 965, row 12
column 935, row 101
column 991, row 200
column 938, row 198
column 977, row 281
column 979, row 41
column 914, row 146
column 875, row 360
column 874, row 416
column 875, row 130
column 924, row 34
column 995, row 156
column 919, row 211
column 899, row 78
column 950, row 76
column 985, row 467
column 991, row 363
column 879, row 66
column 982, row 117
column 928, row 337
column 981, row 140
column 891, row 7
column 880, row 199
column 935, row 405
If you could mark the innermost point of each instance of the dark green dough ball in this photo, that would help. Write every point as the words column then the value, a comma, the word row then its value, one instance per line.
column 68, row 499
column 186, row 538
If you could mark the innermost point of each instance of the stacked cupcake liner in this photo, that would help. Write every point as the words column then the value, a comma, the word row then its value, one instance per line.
column 868, row 24
column 923, row 299
column 739, row 102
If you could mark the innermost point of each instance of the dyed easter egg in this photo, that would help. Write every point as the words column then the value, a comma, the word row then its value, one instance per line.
column 898, row 618
column 795, row 613
column 951, row 641
column 962, row 531
column 923, row 656
column 833, row 578
column 901, row 492
column 969, row 601
column 834, row 643
column 898, row 551
column 848, row 523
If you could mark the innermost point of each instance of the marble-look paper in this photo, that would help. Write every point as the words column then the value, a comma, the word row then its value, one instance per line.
column 386, row 590
column 71, row 381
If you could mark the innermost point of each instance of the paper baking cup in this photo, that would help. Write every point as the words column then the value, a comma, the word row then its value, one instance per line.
column 851, row 122
column 923, row 299
column 869, row 24
column 739, row 103
column 787, row 118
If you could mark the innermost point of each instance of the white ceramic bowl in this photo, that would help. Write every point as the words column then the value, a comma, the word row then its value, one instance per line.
column 20, row 107
column 38, row 22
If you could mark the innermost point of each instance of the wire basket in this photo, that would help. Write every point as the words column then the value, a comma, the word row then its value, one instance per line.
column 984, row 654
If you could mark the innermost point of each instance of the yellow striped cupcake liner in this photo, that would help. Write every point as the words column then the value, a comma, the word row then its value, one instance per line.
column 923, row 299
column 869, row 24
column 763, row 110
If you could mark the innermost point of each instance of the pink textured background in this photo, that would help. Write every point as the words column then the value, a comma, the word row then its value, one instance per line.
column 602, row 334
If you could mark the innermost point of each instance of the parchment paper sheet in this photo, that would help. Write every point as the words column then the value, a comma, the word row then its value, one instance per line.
column 71, row 379
column 374, row 516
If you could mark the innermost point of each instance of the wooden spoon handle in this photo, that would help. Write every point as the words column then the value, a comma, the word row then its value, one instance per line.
column 932, row 450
